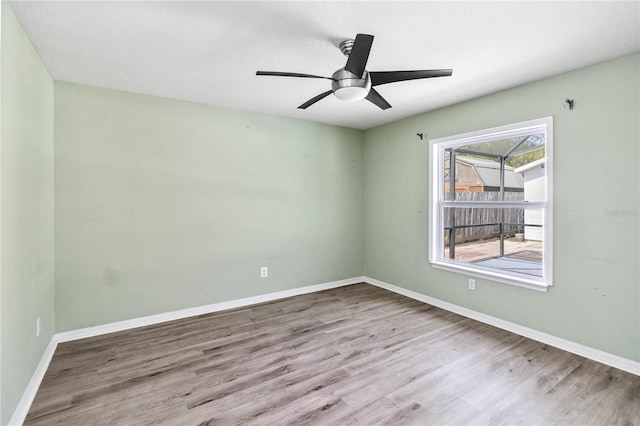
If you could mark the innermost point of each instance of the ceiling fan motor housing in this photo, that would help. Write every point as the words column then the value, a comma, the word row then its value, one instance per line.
column 348, row 87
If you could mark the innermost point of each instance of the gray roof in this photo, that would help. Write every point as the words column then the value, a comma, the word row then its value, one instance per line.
column 533, row 165
column 489, row 172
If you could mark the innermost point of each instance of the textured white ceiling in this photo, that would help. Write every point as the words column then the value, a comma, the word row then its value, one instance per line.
column 209, row 52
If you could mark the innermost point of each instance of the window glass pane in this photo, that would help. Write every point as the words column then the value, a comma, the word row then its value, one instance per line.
column 506, row 239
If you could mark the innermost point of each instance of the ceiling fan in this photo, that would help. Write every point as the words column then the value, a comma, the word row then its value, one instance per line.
column 353, row 82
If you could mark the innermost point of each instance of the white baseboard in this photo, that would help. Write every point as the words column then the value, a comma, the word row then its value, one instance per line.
column 603, row 357
column 199, row 310
column 32, row 388
column 29, row 394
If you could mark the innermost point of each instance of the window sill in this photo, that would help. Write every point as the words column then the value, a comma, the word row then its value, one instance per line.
column 511, row 279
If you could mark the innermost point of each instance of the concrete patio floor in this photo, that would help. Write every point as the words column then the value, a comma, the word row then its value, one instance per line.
column 488, row 249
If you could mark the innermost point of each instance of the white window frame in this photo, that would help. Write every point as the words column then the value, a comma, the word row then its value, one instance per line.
column 437, row 203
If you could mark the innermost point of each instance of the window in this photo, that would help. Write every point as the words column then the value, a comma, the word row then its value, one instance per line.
column 491, row 203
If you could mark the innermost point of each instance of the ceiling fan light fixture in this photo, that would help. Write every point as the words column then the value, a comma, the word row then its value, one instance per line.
column 348, row 87
column 351, row 94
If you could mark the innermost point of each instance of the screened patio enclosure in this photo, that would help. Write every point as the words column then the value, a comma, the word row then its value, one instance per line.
column 486, row 214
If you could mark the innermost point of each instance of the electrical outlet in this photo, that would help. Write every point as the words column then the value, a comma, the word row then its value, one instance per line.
column 472, row 284
column 38, row 327
column 264, row 272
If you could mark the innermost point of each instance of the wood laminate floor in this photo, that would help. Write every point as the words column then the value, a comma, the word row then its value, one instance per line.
column 352, row 355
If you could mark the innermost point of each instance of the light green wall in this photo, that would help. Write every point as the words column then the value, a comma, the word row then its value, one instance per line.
column 26, row 200
column 163, row 205
column 595, row 299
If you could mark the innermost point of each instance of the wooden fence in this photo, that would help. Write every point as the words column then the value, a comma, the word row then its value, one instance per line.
column 478, row 216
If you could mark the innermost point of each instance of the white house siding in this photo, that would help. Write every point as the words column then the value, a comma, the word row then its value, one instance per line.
column 533, row 191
